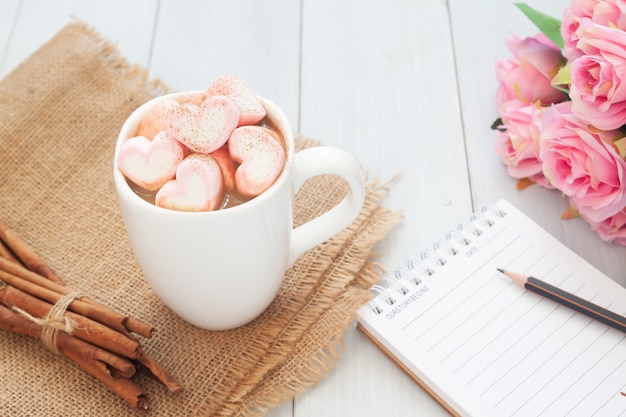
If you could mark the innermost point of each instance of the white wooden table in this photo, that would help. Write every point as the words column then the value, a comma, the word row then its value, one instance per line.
column 407, row 86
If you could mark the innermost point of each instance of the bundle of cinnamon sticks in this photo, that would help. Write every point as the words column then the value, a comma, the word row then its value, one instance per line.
column 35, row 302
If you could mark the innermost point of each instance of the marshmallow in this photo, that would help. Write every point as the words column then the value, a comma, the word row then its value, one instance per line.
column 204, row 128
column 150, row 164
column 195, row 99
column 260, row 156
column 227, row 166
column 154, row 122
column 252, row 111
column 275, row 135
column 197, row 187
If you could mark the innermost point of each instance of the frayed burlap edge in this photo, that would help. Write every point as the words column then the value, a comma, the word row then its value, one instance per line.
column 113, row 59
column 282, row 374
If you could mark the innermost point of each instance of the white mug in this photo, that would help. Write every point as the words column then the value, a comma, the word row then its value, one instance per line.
column 221, row 269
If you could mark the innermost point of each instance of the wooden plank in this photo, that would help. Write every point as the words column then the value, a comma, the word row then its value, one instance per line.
column 127, row 24
column 8, row 11
column 479, row 39
column 379, row 80
column 197, row 42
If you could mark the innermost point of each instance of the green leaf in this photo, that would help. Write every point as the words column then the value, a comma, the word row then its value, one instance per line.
column 563, row 77
column 561, row 89
column 548, row 25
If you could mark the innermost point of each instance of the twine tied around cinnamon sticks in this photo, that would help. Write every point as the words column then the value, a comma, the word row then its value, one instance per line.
column 55, row 321
column 35, row 302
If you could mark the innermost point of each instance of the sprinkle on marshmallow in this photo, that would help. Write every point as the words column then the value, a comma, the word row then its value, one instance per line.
column 251, row 108
column 204, row 128
column 150, row 163
column 260, row 156
column 197, row 187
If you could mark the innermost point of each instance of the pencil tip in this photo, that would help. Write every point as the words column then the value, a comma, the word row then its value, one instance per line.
column 500, row 270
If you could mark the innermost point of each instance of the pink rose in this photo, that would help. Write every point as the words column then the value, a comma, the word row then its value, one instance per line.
column 527, row 76
column 582, row 163
column 602, row 12
column 597, row 91
column 612, row 229
column 517, row 142
column 569, row 25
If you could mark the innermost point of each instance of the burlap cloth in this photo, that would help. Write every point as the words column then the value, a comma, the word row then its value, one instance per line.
column 60, row 112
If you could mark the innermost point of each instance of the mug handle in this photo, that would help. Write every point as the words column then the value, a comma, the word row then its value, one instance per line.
column 321, row 160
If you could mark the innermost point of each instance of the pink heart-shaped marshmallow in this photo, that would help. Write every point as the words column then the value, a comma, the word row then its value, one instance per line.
column 154, row 121
column 251, row 109
column 227, row 166
column 197, row 187
column 261, row 158
column 203, row 128
column 150, row 164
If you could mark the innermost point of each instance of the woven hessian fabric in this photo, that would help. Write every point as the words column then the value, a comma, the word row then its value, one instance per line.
column 60, row 112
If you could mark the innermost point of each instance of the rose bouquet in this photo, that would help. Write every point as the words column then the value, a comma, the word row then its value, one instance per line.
column 562, row 111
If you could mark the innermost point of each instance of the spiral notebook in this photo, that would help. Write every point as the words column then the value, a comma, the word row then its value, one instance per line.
column 484, row 346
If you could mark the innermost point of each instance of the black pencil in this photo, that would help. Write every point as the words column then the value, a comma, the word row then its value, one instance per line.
column 570, row 300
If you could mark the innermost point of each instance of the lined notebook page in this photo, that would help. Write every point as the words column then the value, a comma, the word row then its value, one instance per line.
column 488, row 347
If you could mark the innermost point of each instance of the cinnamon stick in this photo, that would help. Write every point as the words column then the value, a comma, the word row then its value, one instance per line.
column 40, row 287
column 14, row 322
column 26, row 254
column 85, row 329
column 139, row 327
column 36, row 265
column 6, row 253
column 94, row 365
column 159, row 372
column 123, row 387
column 98, row 333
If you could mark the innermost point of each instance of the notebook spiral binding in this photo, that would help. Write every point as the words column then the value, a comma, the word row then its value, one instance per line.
column 393, row 287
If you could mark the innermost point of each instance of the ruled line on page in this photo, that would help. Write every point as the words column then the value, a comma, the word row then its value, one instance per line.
column 560, row 371
column 486, row 325
column 473, row 311
column 592, row 367
column 442, row 299
column 525, row 357
column 504, row 352
column 484, row 247
column 468, row 318
column 554, row 353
